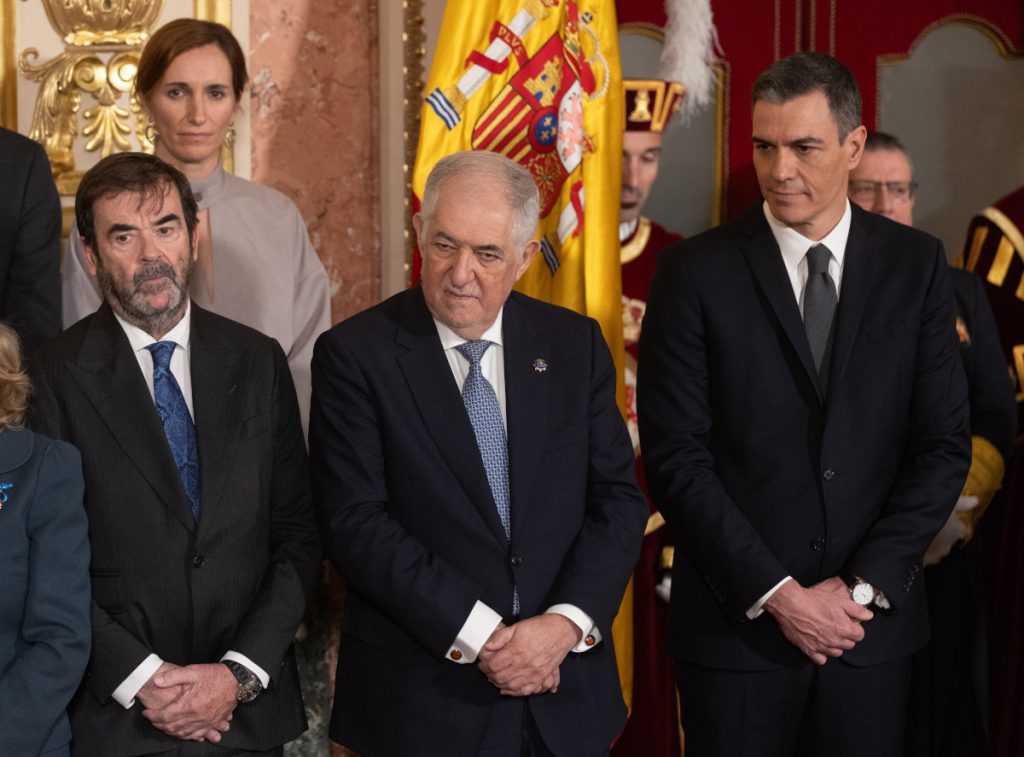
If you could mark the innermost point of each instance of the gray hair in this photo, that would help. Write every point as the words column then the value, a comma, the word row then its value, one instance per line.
column 520, row 190
column 883, row 140
column 803, row 73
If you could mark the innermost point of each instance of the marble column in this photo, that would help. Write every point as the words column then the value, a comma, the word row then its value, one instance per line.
column 314, row 78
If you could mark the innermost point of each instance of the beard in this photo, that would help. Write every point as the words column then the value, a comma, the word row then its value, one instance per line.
column 131, row 301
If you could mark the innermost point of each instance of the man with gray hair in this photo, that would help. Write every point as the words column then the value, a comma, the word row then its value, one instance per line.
column 803, row 415
column 474, row 482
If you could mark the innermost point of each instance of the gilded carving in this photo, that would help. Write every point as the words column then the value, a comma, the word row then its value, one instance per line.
column 102, row 41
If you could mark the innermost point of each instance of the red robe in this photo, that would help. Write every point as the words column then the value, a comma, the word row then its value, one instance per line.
column 995, row 251
column 653, row 726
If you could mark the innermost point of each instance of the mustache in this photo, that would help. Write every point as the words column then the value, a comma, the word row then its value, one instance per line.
column 152, row 270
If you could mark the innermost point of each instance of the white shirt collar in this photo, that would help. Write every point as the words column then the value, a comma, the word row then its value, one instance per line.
column 794, row 245
column 628, row 228
column 180, row 334
column 450, row 340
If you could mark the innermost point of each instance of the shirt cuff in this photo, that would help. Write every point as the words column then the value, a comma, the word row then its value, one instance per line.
column 474, row 634
column 591, row 635
column 758, row 607
column 124, row 694
column 242, row 659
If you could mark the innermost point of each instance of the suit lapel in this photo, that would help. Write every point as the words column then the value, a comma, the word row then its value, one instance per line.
column 218, row 390
column 433, row 388
column 526, row 391
column 108, row 374
column 860, row 267
column 765, row 260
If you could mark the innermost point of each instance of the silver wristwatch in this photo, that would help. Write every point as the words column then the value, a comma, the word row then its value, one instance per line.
column 249, row 686
column 862, row 593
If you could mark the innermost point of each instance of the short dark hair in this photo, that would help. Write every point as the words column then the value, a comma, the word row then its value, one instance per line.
column 132, row 173
column 180, row 36
column 882, row 140
column 803, row 73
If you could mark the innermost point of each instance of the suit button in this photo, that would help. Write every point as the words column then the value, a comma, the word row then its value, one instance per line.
column 198, row 561
column 829, row 474
column 590, row 640
column 455, row 655
column 516, row 561
column 818, row 544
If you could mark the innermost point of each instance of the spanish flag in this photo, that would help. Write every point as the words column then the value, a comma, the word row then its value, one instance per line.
column 539, row 82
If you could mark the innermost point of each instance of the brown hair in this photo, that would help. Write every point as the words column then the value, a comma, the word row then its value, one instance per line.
column 130, row 173
column 180, row 36
column 14, row 384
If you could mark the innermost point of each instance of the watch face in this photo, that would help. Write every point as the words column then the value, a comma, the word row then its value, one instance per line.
column 862, row 593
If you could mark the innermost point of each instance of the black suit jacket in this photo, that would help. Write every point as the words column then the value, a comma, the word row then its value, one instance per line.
column 30, row 221
column 239, row 579
column 44, row 603
column 762, row 472
column 408, row 517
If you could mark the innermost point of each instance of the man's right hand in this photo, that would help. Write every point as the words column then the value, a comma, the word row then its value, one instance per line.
column 154, row 697
column 821, row 622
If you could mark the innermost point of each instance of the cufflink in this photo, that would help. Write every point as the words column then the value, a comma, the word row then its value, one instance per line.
column 590, row 640
column 455, row 655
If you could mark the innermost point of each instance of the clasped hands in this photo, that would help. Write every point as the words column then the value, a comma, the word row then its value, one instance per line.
column 821, row 621
column 523, row 658
column 193, row 703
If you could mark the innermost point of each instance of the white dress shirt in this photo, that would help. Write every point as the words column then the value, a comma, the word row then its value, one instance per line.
column 139, row 340
column 483, row 620
column 794, row 247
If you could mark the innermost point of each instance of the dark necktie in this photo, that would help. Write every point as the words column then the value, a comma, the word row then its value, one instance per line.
column 819, row 306
column 485, row 414
column 178, row 427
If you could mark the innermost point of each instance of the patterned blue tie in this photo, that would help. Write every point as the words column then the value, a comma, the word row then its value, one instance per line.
column 485, row 414
column 181, row 433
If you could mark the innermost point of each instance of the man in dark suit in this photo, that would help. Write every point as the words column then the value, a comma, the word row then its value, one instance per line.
column 204, row 544
column 948, row 713
column 803, row 415
column 459, row 546
column 29, row 241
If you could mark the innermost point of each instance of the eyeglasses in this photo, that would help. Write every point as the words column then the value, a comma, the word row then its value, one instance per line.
column 864, row 191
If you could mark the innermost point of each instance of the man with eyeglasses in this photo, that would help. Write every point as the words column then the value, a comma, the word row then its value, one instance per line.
column 947, row 711
column 883, row 180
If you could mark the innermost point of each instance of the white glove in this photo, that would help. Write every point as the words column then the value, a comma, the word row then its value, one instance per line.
column 951, row 533
column 664, row 588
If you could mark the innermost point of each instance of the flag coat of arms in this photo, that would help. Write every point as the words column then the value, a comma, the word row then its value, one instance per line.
column 539, row 81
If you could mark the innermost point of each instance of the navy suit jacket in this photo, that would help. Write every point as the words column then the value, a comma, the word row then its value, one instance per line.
column 44, row 604
column 238, row 579
column 30, row 222
column 762, row 472
column 408, row 518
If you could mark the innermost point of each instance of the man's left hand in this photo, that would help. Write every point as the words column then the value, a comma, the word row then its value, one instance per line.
column 527, row 663
column 203, row 711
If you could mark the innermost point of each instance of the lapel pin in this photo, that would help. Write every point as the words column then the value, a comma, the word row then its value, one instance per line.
column 4, row 488
column 540, row 365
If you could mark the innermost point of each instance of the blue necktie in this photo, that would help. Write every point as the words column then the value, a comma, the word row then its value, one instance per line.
column 819, row 307
column 485, row 414
column 173, row 412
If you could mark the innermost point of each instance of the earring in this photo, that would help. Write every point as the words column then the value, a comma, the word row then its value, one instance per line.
column 150, row 133
column 229, row 137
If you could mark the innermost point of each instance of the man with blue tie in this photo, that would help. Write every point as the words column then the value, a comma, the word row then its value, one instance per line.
column 204, row 545
column 474, row 482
